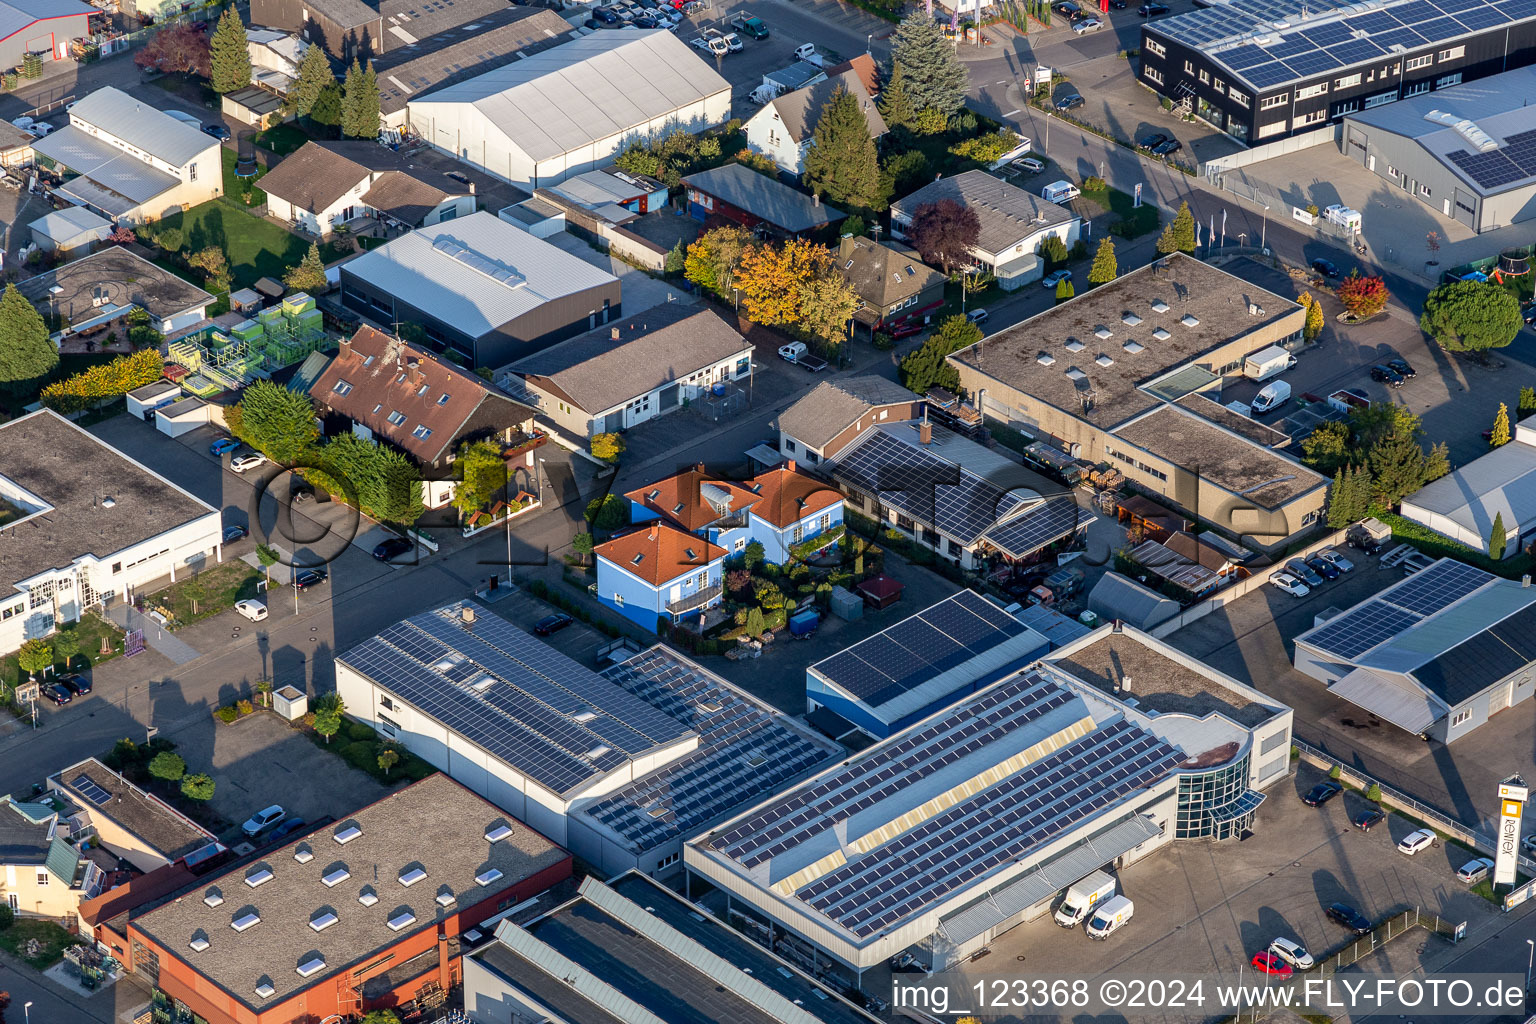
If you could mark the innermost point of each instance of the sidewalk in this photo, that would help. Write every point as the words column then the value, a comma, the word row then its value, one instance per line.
column 156, row 636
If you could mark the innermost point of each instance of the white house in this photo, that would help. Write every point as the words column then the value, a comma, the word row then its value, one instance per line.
column 659, row 572
column 783, row 129
column 102, row 287
column 1014, row 223
column 82, row 524
column 326, row 184
column 135, row 163
column 570, row 108
column 275, row 57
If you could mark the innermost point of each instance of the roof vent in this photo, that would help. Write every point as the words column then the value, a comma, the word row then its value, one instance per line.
column 214, row 898
column 402, row 919
column 199, row 942
column 258, row 877
column 1076, row 374
column 248, row 919
column 598, row 751
column 445, row 898
column 1045, row 359
column 410, row 876
column 109, row 502
column 367, row 897
column 303, row 854
column 1134, row 347
column 1189, row 320
column 265, row 989
column 1103, row 359
column 323, row 920
column 1161, row 334
column 1130, row 319
column 497, row 833
column 487, row 876
column 347, row 834
column 1073, row 345
column 1104, row 333
column 336, row 876
column 314, row 965
column 1159, row 306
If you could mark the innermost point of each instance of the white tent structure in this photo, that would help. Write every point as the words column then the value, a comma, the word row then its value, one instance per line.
column 573, row 107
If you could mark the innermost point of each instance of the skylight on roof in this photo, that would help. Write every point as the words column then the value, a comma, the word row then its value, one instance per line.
column 498, row 833
column 249, row 919
column 638, row 558
column 1189, row 320
column 367, row 897
column 487, row 876
column 445, row 898
column 199, row 943
column 347, row 834
column 1045, row 359
column 1161, row 334
column 422, row 432
column 404, row 919
column 323, row 920
column 368, row 361
column 264, row 987
column 1159, row 306
column 443, row 398
column 303, row 854
column 313, row 965
column 341, row 388
column 1073, row 345
column 259, row 876
column 410, row 876
column 214, row 898
column 423, row 390
column 1104, row 359
column 1130, row 319
column 396, row 417
column 335, row 877
column 1104, row 332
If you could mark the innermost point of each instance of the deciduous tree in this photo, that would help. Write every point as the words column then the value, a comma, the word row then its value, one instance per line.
column 314, row 75
column 827, row 305
column 1471, row 316
column 35, row 656
column 841, row 163
column 309, row 275
column 388, row 758
column 214, row 265
column 177, row 49
column 1363, row 296
column 26, row 353
column 229, row 54
column 66, row 646
column 108, row 380
column 1105, row 266
column 932, row 74
column 944, row 232
column 197, row 787
column 1329, row 447
column 712, row 260
column 1179, row 235
column 1500, row 435
column 1312, row 326
column 928, row 367
column 607, row 447
column 168, row 767
column 773, row 278
column 607, row 513
column 483, row 476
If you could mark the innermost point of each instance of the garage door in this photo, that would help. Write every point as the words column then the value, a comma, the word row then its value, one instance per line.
column 668, row 397
column 1498, row 700
column 42, row 44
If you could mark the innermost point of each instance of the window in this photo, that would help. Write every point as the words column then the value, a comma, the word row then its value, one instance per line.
column 740, row 545
column 1347, row 81
column 1271, row 102
column 1306, row 92
column 1414, row 63
column 1460, row 718
column 1205, row 78
column 825, row 522
column 1152, row 75
column 117, row 567
column 1218, row 85
column 422, row 433
column 1452, row 53
column 789, row 446
column 1447, row 80
column 667, row 861
column 701, row 580
column 1157, row 47
column 421, row 390
column 443, row 399
column 1380, row 99
column 42, row 878
column 1273, row 128
column 797, row 534
column 341, row 388
column 1424, row 191
column 386, row 703
column 368, row 361
column 1416, row 88
column 1312, row 118
column 1130, row 461
column 396, row 417
column 192, row 172
column 1240, row 98
column 1347, row 107
column 1189, row 68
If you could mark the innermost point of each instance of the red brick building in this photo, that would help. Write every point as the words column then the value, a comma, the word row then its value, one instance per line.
column 362, row 914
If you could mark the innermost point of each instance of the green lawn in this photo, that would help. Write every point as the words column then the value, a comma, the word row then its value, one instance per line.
column 282, row 139
column 222, row 585
column 237, row 190
column 256, row 248
column 54, row 940
column 90, row 629
column 1134, row 221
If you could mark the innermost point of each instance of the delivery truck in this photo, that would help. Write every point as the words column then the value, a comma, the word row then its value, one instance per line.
column 1082, row 897
column 1267, row 362
column 1271, row 397
column 1110, row 917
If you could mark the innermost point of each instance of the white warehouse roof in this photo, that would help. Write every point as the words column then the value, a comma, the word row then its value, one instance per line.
column 591, row 88
column 114, row 112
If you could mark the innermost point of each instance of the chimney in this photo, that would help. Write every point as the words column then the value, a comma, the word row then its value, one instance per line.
column 614, row 332
column 925, row 429
column 816, row 199
column 444, row 962
column 471, row 188
column 346, row 347
column 467, row 613
column 655, row 531
column 845, row 247
column 414, row 365
column 1525, row 580
column 790, row 465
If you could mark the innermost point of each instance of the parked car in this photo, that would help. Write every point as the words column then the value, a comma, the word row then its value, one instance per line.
column 552, row 624
column 1067, row 8
column 1322, row 793
column 251, row 460
column 1350, row 918
column 234, row 533
column 217, row 130
column 77, row 685
column 1068, row 101
column 1386, row 375
column 1171, row 146
column 1054, row 278
column 1325, row 267
column 1302, row 571
column 287, row 829
column 58, row 693
column 646, row 21
column 41, row 129
column 605, row 16
column 1290, row 584
column 24, row 122
column 1336, row 560
column 1474, row 870
column 1153, row 141
column 899, row 331
column 1030, row 164
column 1292, row 952
column 1528, row 844
column 223, row 446
column 1270, row 963
column 307, row 578
column 1087, row 25
column 1149, row 10
column 977, row 316
column 394, row 547
column 1323, row 568
column 1367, row 820
column 252, row 609
column 1413, row 842
column 262, row 820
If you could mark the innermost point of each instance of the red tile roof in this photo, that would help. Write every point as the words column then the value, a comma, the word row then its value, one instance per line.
column 664, row 553
column 788, row 496
column 682, row 499
column 386, row 378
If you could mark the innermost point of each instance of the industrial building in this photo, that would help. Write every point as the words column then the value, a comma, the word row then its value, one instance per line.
column 1467, row 152
column 41, row 26
column 1131, row 374
column 1499, row 486
column 1437, row 654
column 941, row 837
column 1264, row 70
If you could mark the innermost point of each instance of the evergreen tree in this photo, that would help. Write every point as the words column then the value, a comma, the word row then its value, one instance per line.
column 933, row 76
column 1179, row 235
column 1340, row 512
column 26, row 353
column 927, row 366
column 1500, row 434
column 676, row 259
column 360, row 103
column 314, row 75
column 229, row 54
column 1064, row 290
column 896, row 103
column 1497, row 540
column 327, row 109
column 1397, row 466
column 1105, row 267
column 841, row 163
column 309, row 275
column 1437, row 463
column 1527, row 403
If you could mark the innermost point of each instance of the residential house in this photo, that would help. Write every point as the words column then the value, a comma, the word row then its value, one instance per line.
column 129, row 822
column 865, row 66
column 658, row 573
column 275, row 57
column 41, row 874
column 326, row 184
column 894, row 285
column 796, row 516
column 784, row 128
column 105, row 286
column 97, row 526
column 754, row 200
column 820, row 425
column 131, row 162
column 481, row 287
column 633, row 370
column 1014, row 223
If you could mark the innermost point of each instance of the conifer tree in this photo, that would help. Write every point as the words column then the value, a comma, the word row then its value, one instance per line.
column 229, row 55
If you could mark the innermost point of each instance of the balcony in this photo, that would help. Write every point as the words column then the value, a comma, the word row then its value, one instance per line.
column 696, row 600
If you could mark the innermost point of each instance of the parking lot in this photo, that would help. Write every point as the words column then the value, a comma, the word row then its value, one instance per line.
column 1203, row 907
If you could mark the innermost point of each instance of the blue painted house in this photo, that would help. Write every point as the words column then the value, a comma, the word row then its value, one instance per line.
column 658, row 572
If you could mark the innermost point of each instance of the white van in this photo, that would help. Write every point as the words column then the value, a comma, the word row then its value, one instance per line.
column 1110, row 916
column 1082, row 897
column 1271, row 397
column 1060, row 192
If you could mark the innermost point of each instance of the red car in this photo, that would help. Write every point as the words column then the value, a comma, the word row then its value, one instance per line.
column 906, row 330
column 1269, row 963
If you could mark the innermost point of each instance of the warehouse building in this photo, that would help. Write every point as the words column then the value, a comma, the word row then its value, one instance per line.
column 942, row 837
column 1131, row 373
column 1501, row 485
column 570, row 108
column 1467, row 152
column 1263, row 70
column 1437, row 654
column 41, row 26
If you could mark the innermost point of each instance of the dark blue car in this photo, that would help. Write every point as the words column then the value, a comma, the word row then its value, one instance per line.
column 223, row 446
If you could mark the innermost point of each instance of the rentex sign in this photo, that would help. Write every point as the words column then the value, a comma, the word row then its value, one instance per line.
column 1512, row 797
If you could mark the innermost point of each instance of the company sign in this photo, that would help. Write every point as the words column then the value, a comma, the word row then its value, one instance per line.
column 1512, row 797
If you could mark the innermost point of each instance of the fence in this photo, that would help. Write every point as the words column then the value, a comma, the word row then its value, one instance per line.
column 1394, row 928
column 1224, row 597
column 1270, row 150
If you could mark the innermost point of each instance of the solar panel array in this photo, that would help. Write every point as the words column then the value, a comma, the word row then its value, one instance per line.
column 918, row 648
column 89, row 789
column 1319, row 40
column 1514, row 161
column 1033, row 529
column 548, row 717
column 1378, row 620
column 945, row 852
column 745, row 753
column 1491, row 654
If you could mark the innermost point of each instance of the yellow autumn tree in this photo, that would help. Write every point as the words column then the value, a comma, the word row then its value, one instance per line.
column 109, row 380
column 711, row 261
column 772, row 279
column 1313, row 325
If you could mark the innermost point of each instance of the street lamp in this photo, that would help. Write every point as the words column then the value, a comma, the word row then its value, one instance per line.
column 1264, row 231
column 1048, row 131
column 1528, row 961
column 26, row 1011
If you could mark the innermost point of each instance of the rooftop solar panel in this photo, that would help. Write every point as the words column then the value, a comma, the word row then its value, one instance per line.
column 1405, row 37
column 1240, row 58
column 1438, row 586
column 1482, row 17
column 1353, row 633
column 1266, row 75
column 1330, row 33
column 1291, row 47
column 1374, row 22
column 1436, row 29
column 1354, row 51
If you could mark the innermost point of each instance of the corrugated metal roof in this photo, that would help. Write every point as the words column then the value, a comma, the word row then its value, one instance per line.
column 16, row 15
column 107, row 166
column 417, row 269
column 63, row 860
column 1400, row 703
column 70, row 223
column 1501, row 482
column 115, row 113
column 1119, row 597
column 591, row 88
column 583, row 981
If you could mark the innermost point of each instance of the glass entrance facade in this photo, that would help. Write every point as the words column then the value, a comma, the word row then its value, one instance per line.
column 1216, row 804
